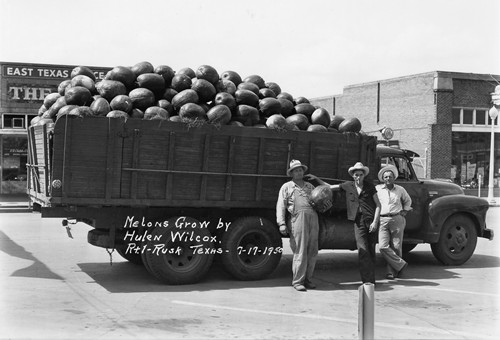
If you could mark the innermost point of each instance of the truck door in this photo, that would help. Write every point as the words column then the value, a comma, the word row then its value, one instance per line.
column 415, row 188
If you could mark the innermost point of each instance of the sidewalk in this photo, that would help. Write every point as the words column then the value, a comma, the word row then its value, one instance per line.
column 484, row 194
column 15, row 203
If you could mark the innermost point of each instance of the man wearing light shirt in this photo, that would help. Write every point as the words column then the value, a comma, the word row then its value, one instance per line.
column 395, row 204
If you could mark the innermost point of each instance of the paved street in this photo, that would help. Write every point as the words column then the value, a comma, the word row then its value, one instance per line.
column 54, row 287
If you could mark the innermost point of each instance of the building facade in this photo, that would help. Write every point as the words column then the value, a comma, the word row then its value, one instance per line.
column 442, row 116
column 23, row 88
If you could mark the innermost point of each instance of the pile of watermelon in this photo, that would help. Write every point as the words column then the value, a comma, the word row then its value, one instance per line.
column 189, row 96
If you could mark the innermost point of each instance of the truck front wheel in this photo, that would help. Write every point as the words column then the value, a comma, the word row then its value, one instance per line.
column 252, row 248
column 180, row 253
column 457, row 241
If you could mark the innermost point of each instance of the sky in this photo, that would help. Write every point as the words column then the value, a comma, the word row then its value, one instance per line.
column 310, row 48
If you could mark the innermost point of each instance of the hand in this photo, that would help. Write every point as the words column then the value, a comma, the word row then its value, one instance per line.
column 283, row 230
column 310, row 178
column 373, row 227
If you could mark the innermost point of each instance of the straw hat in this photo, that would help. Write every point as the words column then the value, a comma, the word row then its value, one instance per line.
column 387, row 168
column 294, row 164
column 359, row 166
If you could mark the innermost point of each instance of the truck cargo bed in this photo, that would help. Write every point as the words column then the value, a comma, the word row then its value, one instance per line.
column 112, row 162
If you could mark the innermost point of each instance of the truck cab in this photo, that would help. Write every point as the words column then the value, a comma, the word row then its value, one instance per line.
column 442, row 214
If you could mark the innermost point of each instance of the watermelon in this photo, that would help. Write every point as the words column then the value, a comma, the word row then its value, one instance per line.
column 350, row 125
column 219, row 114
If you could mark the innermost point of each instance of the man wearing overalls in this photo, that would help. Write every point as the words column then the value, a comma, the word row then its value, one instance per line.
column 294, row 213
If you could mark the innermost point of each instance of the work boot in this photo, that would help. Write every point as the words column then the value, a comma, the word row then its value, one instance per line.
column 300, row 288
column 310, row 285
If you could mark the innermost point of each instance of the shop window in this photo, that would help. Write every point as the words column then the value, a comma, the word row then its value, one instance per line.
column 467, row 116
column 470, row 159
column 14, row 121
column 480, row 117
column 14, row 159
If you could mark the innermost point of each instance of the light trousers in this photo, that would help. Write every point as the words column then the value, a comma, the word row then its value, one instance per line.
column 390, row 241
column 304, row 244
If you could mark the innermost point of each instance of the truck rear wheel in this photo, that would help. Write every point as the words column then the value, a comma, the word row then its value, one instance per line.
column 179, row 254
column 252, row 248
column 457, row 241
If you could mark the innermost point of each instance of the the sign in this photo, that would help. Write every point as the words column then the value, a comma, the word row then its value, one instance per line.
column 26, row 93
column 46, row 72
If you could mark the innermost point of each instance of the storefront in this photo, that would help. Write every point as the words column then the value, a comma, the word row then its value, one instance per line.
column 471, row 138
column 23, row 88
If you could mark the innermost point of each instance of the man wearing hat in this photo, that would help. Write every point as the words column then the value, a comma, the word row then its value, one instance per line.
column 294, row 213
column 395, row 204
column 363, row 208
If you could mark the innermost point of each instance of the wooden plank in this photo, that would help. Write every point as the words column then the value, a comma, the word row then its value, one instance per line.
column 206, row 155
column 135, row 161
column 110, row 151
column 230, row 160
column 260, row 168
column 170, row 164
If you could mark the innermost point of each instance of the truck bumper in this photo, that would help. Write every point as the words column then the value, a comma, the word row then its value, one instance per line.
column 488, row 233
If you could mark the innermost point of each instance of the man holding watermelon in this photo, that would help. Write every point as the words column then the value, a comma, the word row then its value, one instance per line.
column 296, row 216
column 363, row 208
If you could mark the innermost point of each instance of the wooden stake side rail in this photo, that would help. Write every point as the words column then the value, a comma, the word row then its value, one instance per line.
column 113, row 162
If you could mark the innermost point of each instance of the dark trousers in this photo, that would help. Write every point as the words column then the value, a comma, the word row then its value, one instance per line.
column 365, row 242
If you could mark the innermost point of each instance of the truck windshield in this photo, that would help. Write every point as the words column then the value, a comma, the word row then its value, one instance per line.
column 405, row 170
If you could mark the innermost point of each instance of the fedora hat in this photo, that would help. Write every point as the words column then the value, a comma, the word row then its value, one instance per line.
column 385, row 169
column 294, row 164
column 359, row 166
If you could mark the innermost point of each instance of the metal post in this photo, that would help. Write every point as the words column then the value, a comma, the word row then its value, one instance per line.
column 493, row 114
column 479, row 183
column 366, row 312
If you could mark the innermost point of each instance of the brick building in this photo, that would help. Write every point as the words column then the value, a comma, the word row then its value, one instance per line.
column 23, row 88
column 442, row 116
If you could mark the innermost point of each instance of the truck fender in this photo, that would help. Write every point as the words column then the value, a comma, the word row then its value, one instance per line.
column 443, row 207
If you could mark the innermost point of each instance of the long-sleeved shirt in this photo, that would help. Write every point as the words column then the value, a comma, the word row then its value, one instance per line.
column 286, row 199
column 393, row 201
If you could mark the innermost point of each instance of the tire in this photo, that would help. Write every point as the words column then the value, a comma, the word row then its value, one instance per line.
column 407, row 247
column 252, row 248
column 130, row 257
column 457, row 241
column 174, row 261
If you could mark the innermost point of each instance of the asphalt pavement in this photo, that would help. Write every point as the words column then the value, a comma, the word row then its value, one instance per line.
column 54, row 287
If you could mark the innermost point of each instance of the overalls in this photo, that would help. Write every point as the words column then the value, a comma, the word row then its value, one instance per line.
column 303, row 238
